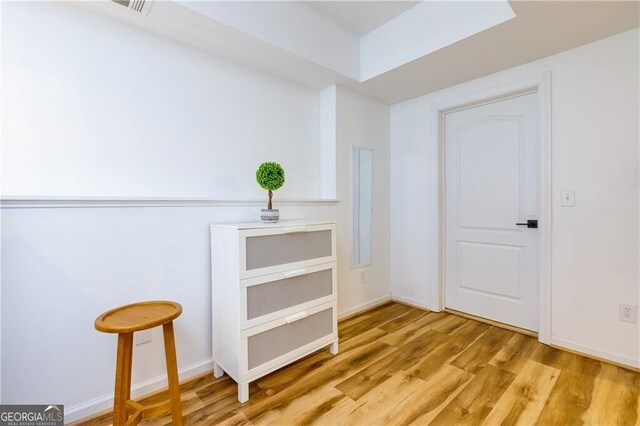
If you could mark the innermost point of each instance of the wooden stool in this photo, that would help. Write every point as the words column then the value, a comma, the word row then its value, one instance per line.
column 125, row 320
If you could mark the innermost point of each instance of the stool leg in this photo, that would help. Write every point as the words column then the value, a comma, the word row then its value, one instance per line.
column 172, row 373
column 123, row 378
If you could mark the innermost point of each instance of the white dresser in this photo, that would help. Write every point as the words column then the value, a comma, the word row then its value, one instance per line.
column 273, row 294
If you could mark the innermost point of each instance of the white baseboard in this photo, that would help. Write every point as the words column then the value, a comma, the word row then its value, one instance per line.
column 104, row 402
column 411, row 302
column 371, row 304
column 598, row 353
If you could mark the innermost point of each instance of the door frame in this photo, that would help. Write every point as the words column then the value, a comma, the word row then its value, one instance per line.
column 540, row 84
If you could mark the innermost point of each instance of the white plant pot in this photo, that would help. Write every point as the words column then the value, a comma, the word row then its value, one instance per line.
column 269, row 215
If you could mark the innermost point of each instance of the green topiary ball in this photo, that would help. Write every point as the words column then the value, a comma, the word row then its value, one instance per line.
column 270, row 176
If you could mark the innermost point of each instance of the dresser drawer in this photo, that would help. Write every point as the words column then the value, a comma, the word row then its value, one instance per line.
column 271, row 345
column 279, row 249
column 272, row 296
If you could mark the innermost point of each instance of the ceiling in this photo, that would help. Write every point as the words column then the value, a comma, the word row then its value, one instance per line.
column 361, row 17
column 539, row 29
column 422, row 28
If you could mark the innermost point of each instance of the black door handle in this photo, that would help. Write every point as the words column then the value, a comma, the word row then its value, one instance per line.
column 531, row 223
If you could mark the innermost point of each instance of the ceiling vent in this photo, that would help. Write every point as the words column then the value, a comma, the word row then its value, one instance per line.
column 140, row 6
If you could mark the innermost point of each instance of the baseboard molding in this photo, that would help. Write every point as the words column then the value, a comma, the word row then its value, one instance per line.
column 411, row 302
column 105, row 402
column 595, row 353
column 365, row 306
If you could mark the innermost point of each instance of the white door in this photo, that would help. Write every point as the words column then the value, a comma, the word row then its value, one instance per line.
column 491, row 185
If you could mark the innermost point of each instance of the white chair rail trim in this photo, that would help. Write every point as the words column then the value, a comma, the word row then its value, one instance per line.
column 31, row 202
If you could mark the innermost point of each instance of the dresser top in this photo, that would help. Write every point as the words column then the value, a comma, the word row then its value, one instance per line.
column 279, row 224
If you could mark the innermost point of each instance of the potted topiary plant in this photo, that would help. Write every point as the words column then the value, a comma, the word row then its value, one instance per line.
column 270, row 176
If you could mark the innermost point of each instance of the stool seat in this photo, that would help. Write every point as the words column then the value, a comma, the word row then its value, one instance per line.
column 138, row 316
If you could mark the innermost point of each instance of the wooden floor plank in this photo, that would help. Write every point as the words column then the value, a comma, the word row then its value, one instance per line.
column 450, row 349
column 338, row 410
column 322, row 377
column 280, row 379
column 476, row 400
column 377, row 407
column 470, row 332
column 302, row 409
column 518, row 350
column 524, row 399
column 402, row 321
column 400, row 365
column 371, row 377
column 381, row 317
column 566, row 360
column 480, row 352
column 572, row 394
column 366, row 315
column 427, row 401
column 449, row 323
column 222, row 410
column 421, row 325
column 373, row 334
column 615, row 398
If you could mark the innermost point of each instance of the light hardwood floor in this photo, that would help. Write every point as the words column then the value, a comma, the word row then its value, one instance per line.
column 400, row 365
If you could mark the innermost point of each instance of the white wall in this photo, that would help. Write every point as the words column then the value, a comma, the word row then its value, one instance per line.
column 61, row 267
column 98, row 96
column 328, row 142
column 1, row 126
column 365, row 123
column 595, row 259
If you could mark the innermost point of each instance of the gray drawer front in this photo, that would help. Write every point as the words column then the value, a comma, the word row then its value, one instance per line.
column 271, row 344
column 271, row 250
column 274, row 296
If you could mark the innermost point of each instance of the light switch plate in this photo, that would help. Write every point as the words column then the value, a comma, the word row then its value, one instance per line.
column 568, row 198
